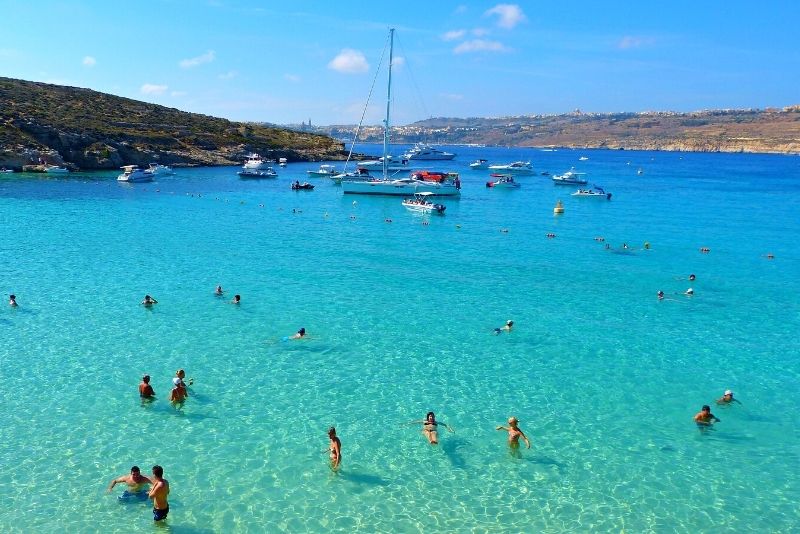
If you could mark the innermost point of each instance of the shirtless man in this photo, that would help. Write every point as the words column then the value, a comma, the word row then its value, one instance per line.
column 514, row 433
column 135, row 481
column 159, row 493
column 145, row 389
column 704, row 418
column 335, row 448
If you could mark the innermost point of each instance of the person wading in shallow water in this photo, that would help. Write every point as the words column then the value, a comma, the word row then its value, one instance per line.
column 159, row 493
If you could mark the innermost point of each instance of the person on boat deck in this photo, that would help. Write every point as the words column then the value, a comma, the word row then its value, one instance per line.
column 237, row 299
column 430, row 427
column 218, row 291
column 300, row 333
column 514, row 433
column 705, row 418
column 145, row 389
column 12, row 301
column 149, row 301
column 727, row 398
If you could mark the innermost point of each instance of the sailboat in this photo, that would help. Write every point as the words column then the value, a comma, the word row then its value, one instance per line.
column 404, row 186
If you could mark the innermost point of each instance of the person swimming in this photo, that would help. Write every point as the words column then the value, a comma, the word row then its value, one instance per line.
column 660, row 295
column 430, row 427
column 300, row 333
column 149, row 301
column 727, row 398
column 218, row 291
column 12, row 301
column 237, row 299
column 704, row 418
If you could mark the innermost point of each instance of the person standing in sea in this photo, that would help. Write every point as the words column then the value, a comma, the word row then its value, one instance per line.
column 135, row 481
column 145, row 389
column 514, row 433
column 335, row 448
column 159, row 493
column 12, row 301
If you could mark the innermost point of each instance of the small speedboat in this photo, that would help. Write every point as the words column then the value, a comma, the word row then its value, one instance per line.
column 282, row 162
column 297, row 186
column 516, row 168
column 4, row 170
column 421, row 204
column 583, row 158
column 157, row 168
column 269, row 172
column 133, row 174
column 323, row 171
column 479, row 164
column 55, row 169
column 570, row 178
column 502, row 181
column 595, row 192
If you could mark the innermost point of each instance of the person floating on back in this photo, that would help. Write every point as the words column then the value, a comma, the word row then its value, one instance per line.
column 430, row 427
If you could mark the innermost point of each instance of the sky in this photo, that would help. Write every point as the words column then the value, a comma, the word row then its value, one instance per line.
column 292, row 61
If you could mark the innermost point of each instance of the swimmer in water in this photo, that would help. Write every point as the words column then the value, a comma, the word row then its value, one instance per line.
column 12, row 301
column 689, row 292
column 180, row 374
column 430, row 427
column 660, row 295
column 704, row 418
column 135, row 481
column 514, row 433
column 149, row 301
column 178, row 394
column 335, row 448
column 145, row 389
column 300, row 333
column 692, row 277
column 237, row 299
column 159, row 493
column 218, row 292
column 727, row 398
column 508, row 325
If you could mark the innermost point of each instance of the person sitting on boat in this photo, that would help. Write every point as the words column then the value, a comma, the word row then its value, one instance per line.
column 149, row 301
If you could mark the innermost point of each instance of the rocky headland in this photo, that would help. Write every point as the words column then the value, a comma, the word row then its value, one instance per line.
column 83, row 129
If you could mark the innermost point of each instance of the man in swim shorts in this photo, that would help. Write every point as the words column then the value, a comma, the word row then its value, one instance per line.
column 704, row 418
column 135, row 481
column 159, row 493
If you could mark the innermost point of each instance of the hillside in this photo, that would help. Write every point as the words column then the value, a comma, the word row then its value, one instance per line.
column 768, row 130
column 91, row 130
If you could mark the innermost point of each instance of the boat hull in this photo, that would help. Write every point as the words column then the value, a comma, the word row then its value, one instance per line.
column 390, row 188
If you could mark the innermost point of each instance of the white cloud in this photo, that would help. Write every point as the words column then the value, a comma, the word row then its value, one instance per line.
column 631, row 41
column 398, row 61
column 480, row 32
column 208, row 57
column 349, row 61
column 294, row 78
column 480, row 45
column 153, row 89
column 228, row 75
column 178, row 93
column 452, row 35
column 452, row 96
column 89, row 61
column 509, row 15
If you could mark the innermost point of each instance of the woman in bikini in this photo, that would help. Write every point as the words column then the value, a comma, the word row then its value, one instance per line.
column 430, row 427
column 514, row 433
column 335, row 448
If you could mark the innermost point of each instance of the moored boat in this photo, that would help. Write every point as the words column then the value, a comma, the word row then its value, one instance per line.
column 502, row 181
column 479, row 164
column 426, row 152
column 323, row 171
column 570, row 178
column 55, row 169
column 305, row 186
column 133, row 174
column 255, row 162
column 595, row 192
column 268, row 172
column 517, row 168
column 421, row 204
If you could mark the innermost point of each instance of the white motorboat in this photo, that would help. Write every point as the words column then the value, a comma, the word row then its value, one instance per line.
column 502, row 181
column 392, row 164
column 358, row 175
column 282, row 162
column 445, row 186
column 255, row 162
column 570, row 178
column 421, row 204
column 268, row 172
column 583, row 158
column 133, row 174
column 595, row 192
column 479, row 164
column 323, row 171
column 426, row 152
column 158, row 169
column 55, row 169
column 4, row 170
column 517, row 168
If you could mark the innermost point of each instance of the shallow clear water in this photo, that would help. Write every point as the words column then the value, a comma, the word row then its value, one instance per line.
column 604, row 378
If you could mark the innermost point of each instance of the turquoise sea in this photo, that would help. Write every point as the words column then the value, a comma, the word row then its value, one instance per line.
column 400, row 310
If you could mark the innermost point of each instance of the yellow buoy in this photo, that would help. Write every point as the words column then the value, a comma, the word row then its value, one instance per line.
column 559, row 209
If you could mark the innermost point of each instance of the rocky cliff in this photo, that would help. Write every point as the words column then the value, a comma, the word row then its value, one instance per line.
column 43, row 123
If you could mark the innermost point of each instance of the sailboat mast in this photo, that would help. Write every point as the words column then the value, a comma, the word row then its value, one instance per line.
column 388, row 103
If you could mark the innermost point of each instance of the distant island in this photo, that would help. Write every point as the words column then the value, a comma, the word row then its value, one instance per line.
column 53, row 124
column 735, row 130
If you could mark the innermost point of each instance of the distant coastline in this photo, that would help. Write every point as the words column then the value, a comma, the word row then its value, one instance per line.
column 745, row 130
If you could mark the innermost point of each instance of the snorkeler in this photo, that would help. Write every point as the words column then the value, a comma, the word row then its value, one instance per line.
column 430, row 427
column 514, row 433
column 135, row 481
column 727, row 398
column 704, row 418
